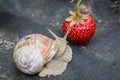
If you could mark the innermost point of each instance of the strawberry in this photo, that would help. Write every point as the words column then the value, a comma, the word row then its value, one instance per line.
column 79, row 26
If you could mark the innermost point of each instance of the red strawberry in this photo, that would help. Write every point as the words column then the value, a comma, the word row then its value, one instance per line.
column 80, row 25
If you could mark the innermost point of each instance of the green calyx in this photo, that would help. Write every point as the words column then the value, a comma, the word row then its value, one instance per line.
column 79, row 15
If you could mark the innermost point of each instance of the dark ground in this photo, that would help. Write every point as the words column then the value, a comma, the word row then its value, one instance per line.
column 99, row 60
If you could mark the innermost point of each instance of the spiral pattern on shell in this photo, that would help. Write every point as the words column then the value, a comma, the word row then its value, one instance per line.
column 32, row 52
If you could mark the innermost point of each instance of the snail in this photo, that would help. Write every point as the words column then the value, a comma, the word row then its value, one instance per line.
column 37, row 53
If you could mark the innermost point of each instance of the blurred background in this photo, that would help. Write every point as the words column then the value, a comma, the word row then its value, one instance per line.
column 99, row 60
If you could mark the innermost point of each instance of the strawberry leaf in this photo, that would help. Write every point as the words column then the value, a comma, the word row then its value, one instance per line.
column 72, row 23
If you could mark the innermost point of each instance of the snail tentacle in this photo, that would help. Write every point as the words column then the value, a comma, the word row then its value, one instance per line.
column 61, row 42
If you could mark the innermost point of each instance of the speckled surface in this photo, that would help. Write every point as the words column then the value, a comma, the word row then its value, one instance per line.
column 99, row 60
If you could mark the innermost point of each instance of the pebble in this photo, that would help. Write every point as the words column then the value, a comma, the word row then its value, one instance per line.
column 83, row 47
column 99, row 21
column 3, row 75
column 8, row 44
column 57, row 23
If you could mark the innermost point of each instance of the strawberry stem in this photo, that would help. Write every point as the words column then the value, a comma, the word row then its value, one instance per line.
column 77, row 9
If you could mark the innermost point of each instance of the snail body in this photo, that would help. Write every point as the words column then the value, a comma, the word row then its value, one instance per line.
column 37, row 53
column 32, row 52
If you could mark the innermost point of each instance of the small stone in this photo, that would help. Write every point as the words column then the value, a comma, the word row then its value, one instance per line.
column 3, row 75
column 83, row 47
column 99, row 21
column 5, row 42
column 8, row 44
column 57, row 23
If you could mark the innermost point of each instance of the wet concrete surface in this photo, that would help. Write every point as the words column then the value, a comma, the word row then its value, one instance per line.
column 99, row 60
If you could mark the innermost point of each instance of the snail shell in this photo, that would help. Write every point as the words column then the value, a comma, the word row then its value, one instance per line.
column 32, row 52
